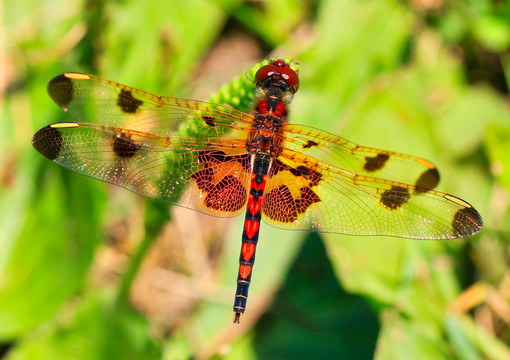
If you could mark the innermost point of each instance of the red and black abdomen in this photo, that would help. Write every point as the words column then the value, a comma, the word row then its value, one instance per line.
column 250, row 236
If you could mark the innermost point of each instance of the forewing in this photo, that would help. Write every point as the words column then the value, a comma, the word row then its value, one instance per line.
column 92, row 99
column 342, row 153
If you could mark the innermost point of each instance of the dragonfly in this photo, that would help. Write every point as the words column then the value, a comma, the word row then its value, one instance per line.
column 221, row 161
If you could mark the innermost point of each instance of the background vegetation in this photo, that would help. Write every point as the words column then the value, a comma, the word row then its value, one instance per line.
column 425, row 77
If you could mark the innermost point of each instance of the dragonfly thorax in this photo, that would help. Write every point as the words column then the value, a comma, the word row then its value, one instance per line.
column 270, row 116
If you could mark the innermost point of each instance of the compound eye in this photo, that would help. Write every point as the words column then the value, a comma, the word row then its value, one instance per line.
column 280, row 63
column 290, row 77
column 264, row 72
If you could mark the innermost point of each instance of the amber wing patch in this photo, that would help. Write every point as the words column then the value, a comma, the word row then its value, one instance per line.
column 281, row 205
column 290, row 192
column 220, row 188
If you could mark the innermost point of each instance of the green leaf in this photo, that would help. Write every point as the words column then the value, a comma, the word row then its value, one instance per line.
column 473, row 341
column 402, row 338
column 493, row 31
column 53, row 251
column 497, row 141
column 96, row 331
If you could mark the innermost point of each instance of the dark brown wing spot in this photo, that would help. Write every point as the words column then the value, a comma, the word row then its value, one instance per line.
column 311, row 175
column 280, row 205
column 375, row 163
column 61, row 90
column 127, row 102
column 209, row 157
column 203, row 178
column 396, row 197
column 124, row 146
column 209, row 120
column 466, row 222
column 310, row 144
column 213, row 156
column 277, row 167
column 227, row 195
column 428, row 180
column 48, row 141
column 307, row 198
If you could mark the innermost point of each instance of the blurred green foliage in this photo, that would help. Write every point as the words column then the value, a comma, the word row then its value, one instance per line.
column 429, row 78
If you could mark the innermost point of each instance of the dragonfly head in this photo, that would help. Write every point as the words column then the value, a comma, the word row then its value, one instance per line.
column 279, row 73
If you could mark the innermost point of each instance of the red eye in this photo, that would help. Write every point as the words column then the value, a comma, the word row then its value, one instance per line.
column 278, row 69
column 290, row 77
column 265, row 72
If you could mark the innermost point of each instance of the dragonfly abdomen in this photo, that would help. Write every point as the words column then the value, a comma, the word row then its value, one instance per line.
column 250, row 235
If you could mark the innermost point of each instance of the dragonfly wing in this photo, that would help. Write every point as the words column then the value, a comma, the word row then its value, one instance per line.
column 342, row 153
column 155, row 146
column 303, row 193
column 93, row 99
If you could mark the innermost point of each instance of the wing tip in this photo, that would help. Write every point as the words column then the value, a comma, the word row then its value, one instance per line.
column 61, row 90
column 466, row 222
column 48, row 141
